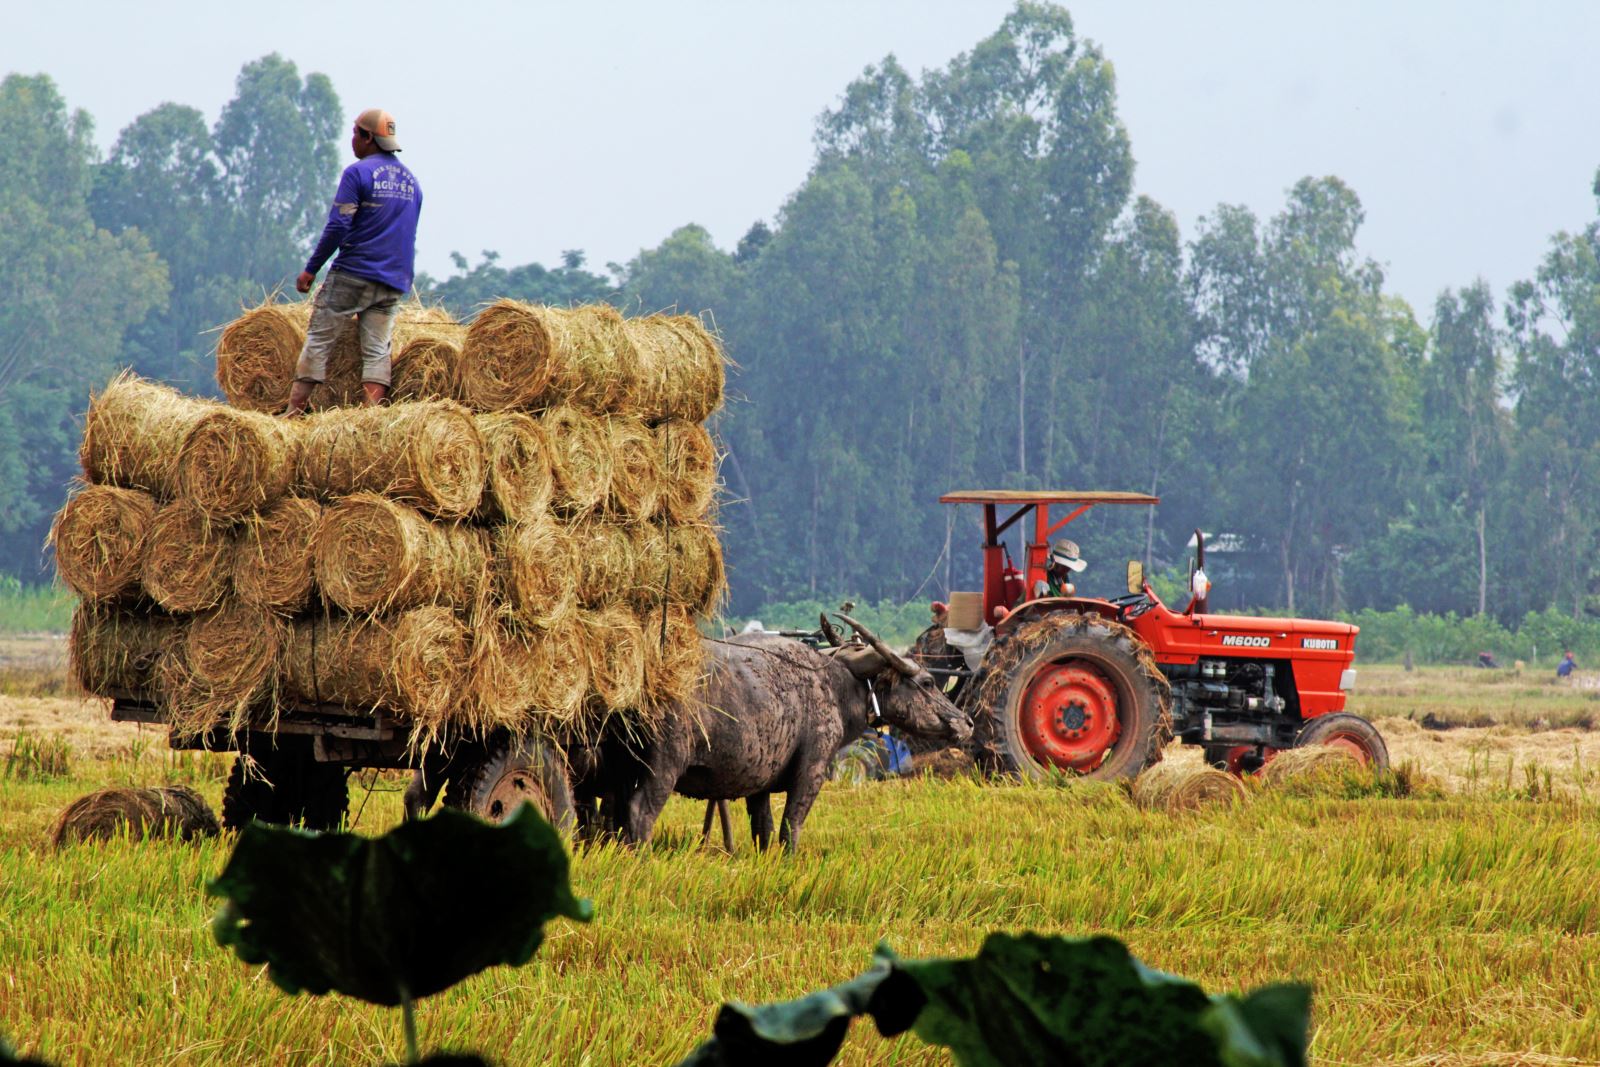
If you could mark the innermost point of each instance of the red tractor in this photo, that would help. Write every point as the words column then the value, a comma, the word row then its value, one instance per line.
column 1098, row 687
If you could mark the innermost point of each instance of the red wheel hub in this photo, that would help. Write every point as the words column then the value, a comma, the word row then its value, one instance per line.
column 1068, row 717
column 1351, row 742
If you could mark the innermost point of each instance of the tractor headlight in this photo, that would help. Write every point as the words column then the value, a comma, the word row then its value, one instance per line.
column 1347, row 679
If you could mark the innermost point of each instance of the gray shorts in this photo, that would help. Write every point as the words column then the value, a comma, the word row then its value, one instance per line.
column 341, row 296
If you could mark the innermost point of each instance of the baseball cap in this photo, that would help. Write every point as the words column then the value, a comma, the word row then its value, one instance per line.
column 380, row 124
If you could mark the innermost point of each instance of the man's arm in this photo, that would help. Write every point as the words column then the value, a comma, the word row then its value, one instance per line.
column 340, row 215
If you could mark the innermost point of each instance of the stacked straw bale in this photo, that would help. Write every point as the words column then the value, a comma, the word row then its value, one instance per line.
column 523, row 538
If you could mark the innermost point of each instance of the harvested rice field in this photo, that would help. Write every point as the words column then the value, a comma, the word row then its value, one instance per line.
column 1459, row 924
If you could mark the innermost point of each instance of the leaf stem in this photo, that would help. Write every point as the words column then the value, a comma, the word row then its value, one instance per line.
column 408, row 1012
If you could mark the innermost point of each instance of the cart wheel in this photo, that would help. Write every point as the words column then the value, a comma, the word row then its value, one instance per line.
column 1349, row 731
column 857, row 762
column 514, row 770
column 287, row 786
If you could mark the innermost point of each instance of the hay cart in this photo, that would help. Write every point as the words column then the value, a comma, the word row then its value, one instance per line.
column 1098, row 687
column 295, row 770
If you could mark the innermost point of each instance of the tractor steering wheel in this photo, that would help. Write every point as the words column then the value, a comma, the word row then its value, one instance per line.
column 1132, row 605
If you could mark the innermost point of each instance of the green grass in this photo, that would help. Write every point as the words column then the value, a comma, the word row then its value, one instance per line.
column 33, row 609
column 1453, row 928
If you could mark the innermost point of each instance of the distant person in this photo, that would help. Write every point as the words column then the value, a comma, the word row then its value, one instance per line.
column 1567, row 665
column 1486, row 659
column 1064, row 561
column 932, row 650
column 372, row 225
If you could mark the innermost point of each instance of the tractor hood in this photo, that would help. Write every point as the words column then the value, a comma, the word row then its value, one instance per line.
column 1251, row 624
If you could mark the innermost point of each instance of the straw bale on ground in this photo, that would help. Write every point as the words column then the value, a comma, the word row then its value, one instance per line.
column 373, row 554
column 274, row 555
column 537, row 572
column 520, row 484
column 637, row 471
column 258, row 351
column 99, row 539
column 1312, row 768
column 1172, row 788
column 165, row 811
column 689, row 460
column 613, row 648
column 580, row 460
column 234, row 462
column 428, row 454
column 114, row 650
column 188, row 558
column 412, row 663
column 134, row 431
column 425, row 355
column 680, row 369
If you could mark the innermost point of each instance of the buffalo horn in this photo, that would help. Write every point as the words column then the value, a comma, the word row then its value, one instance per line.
column 893, row 658
column 829, row 633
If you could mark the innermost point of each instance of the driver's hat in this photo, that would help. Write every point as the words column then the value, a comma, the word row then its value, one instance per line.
column 1065, row 553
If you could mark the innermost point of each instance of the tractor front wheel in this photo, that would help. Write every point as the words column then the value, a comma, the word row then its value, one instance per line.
column 513, row 770
column 1344, row 730
column 1081, row 695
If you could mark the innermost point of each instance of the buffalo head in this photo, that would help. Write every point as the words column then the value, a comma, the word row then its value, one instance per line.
column 908, row 696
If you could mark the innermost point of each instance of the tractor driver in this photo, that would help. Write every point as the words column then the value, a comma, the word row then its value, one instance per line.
column 1063, row 562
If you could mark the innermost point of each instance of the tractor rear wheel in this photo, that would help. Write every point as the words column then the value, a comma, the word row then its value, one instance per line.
column 1344, row 730
column 1079, row 694
column 286, row 786
column 515, row 769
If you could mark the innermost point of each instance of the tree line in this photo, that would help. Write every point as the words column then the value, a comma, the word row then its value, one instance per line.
column 963, row 292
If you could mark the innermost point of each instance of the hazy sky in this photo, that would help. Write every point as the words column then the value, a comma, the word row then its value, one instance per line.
column 1467, row 128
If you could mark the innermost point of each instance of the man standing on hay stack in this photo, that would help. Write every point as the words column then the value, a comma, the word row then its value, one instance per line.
column 373, row 227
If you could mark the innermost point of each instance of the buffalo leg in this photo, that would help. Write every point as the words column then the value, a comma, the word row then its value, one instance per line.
column 646, row 803
column 423, row 790
column 759, row 805
column 797, row 804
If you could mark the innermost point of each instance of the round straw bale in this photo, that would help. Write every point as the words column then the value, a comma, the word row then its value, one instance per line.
column 696, row 578
column 500, row 681
column 193, row 706
column 428, row 454
column 234, row 650
column 1172, row 788
column 258, row 351
column 613, row 648
column 689, row 460
column 603, row 555
column 133, row 434
column 373, row 554
column 680, row 368
column 166, row 811
column 99, row 539
column 580, row 460
column 537, row 572
column 560, row 672
column 412, row 664
column 506, row 357
column 652, row 555
column 1312, row 768
column 518, row 454
column 674, row 657
column 637, row 471
column 234, row 462
column 274, row 555
column 188, row 558
column 595, row 363
column 426, row 354
column 114, row 650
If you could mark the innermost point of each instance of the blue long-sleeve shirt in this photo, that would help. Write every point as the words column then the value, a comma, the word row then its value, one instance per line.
column 373, row 223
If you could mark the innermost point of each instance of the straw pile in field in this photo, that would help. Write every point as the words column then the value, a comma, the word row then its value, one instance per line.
column 1172, row 788
column 523, row 536
column 1313, row 768
column 165, row 811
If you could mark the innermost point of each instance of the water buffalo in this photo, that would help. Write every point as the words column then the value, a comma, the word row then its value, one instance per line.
column 768, row 718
